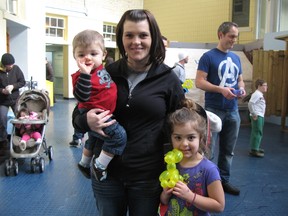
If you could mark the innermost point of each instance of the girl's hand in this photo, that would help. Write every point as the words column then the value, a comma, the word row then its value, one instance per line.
column 182, row 191
column 165, row 195
column 96, row 119
column 167, row 191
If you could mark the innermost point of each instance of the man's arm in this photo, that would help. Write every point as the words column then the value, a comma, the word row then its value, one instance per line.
column 20, row 78
column 241, row 85
column 202, row 83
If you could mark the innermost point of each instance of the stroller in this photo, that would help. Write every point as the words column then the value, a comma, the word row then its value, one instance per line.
column 38, row 102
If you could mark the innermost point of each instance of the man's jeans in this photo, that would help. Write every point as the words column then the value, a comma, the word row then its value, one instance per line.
column 227, row 138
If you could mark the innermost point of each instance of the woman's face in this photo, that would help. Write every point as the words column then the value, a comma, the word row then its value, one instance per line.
column 8, row 67
column 137, row 41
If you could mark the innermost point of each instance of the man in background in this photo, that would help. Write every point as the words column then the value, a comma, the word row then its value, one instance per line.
column 180, row 66
column 219, row 74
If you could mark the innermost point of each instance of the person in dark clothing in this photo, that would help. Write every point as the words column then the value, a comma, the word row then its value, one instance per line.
column 109, row 60
column 11, row 80
column 49, row 71
column 50, row 76
column 148, row 90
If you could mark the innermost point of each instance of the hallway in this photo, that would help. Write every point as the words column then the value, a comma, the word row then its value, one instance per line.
column 62, row 190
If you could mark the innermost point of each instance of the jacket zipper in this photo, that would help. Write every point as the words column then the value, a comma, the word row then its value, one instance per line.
column 129, row 98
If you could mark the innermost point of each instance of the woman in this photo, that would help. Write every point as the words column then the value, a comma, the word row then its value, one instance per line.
column 148, row 90
column 11, row 80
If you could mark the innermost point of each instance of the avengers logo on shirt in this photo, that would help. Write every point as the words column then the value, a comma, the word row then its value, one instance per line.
column 228, row 73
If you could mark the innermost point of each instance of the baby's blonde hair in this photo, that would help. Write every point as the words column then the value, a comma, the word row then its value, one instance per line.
column 86, row 38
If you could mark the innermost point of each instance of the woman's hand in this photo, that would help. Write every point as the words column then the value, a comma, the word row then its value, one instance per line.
column 5, row 91
column 96, row 119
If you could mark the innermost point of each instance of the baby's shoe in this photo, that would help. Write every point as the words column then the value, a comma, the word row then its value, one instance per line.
column 22, row 145
column 38, row 141
column 85, row 170
column 75, row 142
column 98, row 171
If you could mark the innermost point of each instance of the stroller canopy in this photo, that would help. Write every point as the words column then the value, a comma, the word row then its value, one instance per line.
column 34, row 100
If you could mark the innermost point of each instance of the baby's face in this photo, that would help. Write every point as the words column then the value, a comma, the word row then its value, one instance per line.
column 91, row 56
column 22, row 114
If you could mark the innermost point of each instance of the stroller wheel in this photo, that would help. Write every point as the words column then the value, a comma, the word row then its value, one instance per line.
column 33, row 165
column 7, row 167
column 16, row 168
column 41, row 165
column 50, row 153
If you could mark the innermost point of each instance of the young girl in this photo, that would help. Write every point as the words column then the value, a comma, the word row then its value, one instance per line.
column 28, row 131
column 201, row 192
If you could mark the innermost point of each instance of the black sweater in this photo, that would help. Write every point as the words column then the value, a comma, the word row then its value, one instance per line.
column 14, row 77
column 143, row 115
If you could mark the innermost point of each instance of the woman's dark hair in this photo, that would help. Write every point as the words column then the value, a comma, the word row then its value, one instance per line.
column 157, row 50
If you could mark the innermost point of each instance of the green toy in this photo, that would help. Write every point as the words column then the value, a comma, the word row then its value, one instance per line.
column 171, row 176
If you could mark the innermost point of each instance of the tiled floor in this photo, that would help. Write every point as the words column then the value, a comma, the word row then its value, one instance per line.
column 62, row 190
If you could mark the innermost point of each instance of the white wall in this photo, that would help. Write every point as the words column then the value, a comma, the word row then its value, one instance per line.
column 35, row 12
column 270, row 43
column 2, row 34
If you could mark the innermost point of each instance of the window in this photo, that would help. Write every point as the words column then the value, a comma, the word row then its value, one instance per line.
column 240, row 13
column 283, row 16
column 55, row 27
column 12, row 6
column 109, row 32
